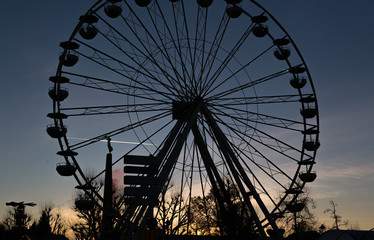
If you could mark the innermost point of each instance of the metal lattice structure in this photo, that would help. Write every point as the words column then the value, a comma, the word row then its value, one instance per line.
column 202, row 92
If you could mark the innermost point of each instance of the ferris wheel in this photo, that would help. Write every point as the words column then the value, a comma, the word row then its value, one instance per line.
column 201, row 93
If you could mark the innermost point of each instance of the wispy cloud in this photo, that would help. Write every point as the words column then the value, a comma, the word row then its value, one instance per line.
column 346, row 171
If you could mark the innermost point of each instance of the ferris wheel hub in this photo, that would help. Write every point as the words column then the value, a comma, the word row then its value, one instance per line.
column 181, row 109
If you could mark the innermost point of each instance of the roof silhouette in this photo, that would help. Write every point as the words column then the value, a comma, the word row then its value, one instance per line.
column 348, row 235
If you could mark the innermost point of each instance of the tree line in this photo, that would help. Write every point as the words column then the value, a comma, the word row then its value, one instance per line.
column 200, row 215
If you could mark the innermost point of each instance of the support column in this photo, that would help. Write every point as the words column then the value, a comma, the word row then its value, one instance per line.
column 237, row 170
column 107, row 217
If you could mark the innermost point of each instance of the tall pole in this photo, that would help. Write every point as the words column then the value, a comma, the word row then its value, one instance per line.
column 107, row 220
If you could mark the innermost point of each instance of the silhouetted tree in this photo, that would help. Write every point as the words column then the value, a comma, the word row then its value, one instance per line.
column 88, row 226
column 17, row 218
column 58, row 224
column 16, row 222
column 8, row 221
column 43, row 228
column 50, row 222
column 172, row 215
column 304, row 220
column 338, row 222
column 354, row 226
column 202, row 216
column 238, row 215
column 2, row 231
column 231, row 218
column 90, row 220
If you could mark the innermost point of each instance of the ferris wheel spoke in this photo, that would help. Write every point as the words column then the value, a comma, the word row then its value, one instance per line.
column 184, row 75
column 148, row 139
column 176, row 16
column 194, row 161
column 104, row 59
column 261, row 187
column 198, row 42
column 213, row 176
column 118, row 131
column 154, row 71
column 184, row 43
column 240, row 69
column 116, row 87
column 120, row 88
column 118, row 40
column 240, row 101
column 114, row 109
column 124, row 66
column 227, row 60
column 187, row 32
column 198, row 56
column 242, row 137
column 176, row 44
column 270, row 169
column 207, row 134
column 152, row 43
column 258, row 121
column 169, row 58
column 185, row 175
column 264, row 139
column 183, row 35
column 248, row 85
column 255, row 153
column 146, row 57
column 144, row 95
column 240, row 114
column 211, row 56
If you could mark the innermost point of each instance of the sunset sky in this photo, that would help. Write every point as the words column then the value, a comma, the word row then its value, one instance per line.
column 336, row 39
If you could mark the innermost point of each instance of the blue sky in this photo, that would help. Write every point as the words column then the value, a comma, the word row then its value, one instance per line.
column 335, row 37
